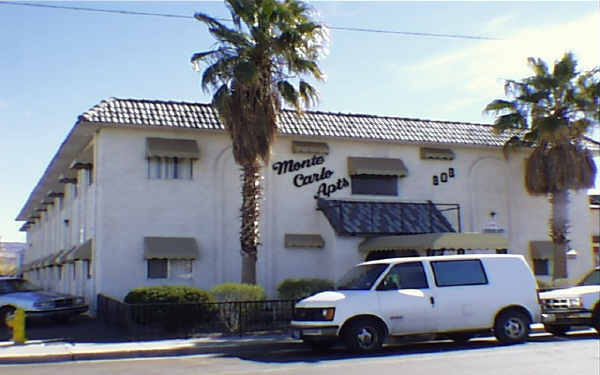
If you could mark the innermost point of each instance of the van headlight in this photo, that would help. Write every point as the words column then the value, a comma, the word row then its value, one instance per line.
column 328, row 313
column 79, row 300
column 575, row 302
column 314, row 314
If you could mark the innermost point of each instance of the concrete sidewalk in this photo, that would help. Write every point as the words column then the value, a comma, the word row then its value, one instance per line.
column 40, row 351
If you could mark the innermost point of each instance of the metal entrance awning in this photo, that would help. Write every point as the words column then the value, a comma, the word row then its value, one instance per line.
column 435, row 241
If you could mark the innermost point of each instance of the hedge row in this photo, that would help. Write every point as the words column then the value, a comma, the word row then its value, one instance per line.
column 287, row 289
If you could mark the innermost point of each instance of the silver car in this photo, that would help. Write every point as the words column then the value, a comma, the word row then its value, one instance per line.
column 20, row 293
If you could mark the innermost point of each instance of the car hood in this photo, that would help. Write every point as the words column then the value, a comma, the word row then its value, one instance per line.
column 36, row 296
column 330, row 298
column 576, row 291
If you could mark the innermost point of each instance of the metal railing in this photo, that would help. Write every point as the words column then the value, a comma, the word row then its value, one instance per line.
column 173, row 320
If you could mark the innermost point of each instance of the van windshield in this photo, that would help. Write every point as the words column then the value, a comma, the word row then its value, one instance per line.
column 361, row 277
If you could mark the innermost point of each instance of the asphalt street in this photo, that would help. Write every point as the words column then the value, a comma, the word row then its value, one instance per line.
column 544, row 354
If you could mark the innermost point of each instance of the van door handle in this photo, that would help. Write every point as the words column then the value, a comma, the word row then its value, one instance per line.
column 432, row 300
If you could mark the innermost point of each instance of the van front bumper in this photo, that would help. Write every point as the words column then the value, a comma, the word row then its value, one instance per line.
column 324, row 332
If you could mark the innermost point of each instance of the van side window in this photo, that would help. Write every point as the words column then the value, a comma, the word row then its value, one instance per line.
column 405, row 276
column 459, row 272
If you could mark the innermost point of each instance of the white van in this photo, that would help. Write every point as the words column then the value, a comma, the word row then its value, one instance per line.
column 458, row 296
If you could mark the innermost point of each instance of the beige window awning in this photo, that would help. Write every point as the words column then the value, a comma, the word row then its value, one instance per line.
column 168, row 147
column 48, row 260
column 59, row 257
column 304, row 240
column 319, row 148
column 81, row 252
column 435, row 241
column 541, row 249
column 437, row 153
column 376, row 166
column 170, row 248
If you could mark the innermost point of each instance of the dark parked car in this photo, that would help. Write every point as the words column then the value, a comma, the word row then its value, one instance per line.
column 16, row 292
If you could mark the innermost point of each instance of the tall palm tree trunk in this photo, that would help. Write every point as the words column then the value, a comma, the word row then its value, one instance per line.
column 558, row 232
column 250, row 212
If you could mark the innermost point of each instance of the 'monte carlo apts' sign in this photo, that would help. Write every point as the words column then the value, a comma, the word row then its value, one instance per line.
column 303, row 179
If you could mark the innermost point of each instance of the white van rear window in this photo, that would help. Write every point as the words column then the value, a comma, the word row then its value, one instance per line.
column 459, row 272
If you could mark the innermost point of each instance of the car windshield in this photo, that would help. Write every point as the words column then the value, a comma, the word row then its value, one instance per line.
column 592, row 279
column 17, row 285
column 361, row 277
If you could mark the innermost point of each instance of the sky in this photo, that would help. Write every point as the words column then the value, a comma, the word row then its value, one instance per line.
column 56, row 63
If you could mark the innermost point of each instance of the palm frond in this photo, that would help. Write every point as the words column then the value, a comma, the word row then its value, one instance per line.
column 510, row 121
column 288, row 93
column 499, row 106
column 308, row 93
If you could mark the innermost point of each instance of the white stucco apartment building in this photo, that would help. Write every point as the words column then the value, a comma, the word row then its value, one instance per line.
column 146, row 193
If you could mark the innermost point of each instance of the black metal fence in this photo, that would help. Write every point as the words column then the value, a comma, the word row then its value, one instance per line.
column 171, row 320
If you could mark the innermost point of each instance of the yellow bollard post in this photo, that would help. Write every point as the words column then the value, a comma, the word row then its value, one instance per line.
column 17, row 324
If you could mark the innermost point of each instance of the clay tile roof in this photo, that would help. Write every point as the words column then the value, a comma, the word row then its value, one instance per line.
column 139, row 112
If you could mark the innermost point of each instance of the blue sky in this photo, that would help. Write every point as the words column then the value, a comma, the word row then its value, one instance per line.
column 57, row 63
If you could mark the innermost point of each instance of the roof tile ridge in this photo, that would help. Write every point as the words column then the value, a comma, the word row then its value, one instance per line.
column 387, row 117
column 158, row 101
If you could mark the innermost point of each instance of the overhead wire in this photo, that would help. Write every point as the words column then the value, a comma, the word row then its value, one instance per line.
column 138, row 13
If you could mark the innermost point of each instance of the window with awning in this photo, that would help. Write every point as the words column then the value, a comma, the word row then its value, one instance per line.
column 436, row 153
column 375, row 176
column 314, row 148
column 81, row 252
column 304, row 240
column 376, row 166
column 171, row 159
column 170, row 257
column 542, row 255
column 541, row 249
column 171, row 248
column 169, row 147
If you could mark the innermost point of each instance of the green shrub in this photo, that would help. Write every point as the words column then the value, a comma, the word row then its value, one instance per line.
column 229, row 292
column 168, row 294
column 173, row 307
column 234, row 316
column 301, row 288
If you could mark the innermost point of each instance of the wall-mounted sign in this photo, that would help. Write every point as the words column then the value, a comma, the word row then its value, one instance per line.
column 443, row 177
column 302, row 179
column 286, row 166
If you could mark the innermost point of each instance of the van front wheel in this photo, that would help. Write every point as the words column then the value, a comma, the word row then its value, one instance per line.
column 512, row 327
column 364, row 335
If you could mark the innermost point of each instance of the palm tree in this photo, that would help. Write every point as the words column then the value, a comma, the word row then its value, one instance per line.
column 550, row 112
column 257, row 65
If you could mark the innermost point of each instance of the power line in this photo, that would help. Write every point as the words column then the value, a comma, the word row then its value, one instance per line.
column 136, row 13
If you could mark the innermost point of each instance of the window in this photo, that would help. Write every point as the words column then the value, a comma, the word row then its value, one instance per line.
column 157, row 268
column 405, row 276
column 459, row 272
column 540, row 267
column 170, row 269
column 170, row 168
column 375, row 185
column 180, row 268
column 88, row 268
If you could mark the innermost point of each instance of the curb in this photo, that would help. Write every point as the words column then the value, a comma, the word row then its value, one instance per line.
column 65, row 352
column 52, row 351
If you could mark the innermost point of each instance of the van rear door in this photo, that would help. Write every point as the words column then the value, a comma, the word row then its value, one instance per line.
column 461, row 295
